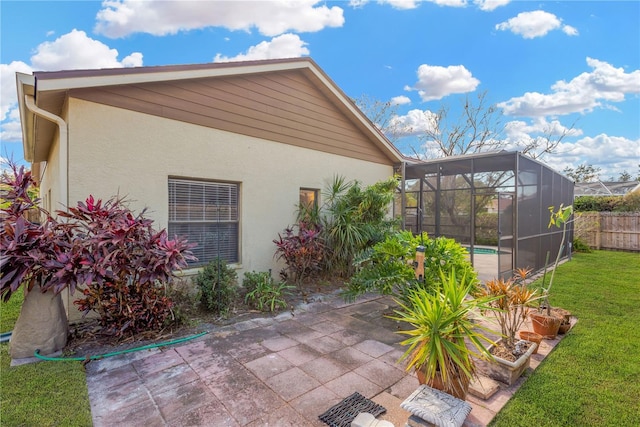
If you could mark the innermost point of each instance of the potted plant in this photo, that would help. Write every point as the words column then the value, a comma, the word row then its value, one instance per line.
column 512, row 302
column 443, row 320
column 117, row 259
column 547, row 321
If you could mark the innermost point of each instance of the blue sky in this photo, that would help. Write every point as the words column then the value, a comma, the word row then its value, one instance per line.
column 547, row 66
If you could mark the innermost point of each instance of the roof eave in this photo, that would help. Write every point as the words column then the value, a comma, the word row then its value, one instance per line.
column 76, row 79
column 25, row 84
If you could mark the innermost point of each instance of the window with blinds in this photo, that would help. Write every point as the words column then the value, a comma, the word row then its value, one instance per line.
column 206, row 213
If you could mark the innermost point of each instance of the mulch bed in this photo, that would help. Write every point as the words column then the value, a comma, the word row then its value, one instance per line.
column 85, row 338
column 508, row 352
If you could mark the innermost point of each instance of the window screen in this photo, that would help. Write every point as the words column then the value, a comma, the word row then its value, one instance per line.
column 206, row 213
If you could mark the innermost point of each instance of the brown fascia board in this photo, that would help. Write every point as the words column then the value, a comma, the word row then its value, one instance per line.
column 71, row 79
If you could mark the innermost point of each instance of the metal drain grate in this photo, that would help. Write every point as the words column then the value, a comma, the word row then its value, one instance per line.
column 341, row 414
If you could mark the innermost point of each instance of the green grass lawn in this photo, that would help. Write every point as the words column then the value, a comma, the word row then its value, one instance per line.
column 43, row 393
column 9, row 311
column 592, row 378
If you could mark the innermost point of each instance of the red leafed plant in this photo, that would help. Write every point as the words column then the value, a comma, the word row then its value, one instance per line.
column 303, row 252
column 120, row 261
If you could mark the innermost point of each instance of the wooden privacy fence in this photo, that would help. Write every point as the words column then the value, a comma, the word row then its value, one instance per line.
column 609, row 230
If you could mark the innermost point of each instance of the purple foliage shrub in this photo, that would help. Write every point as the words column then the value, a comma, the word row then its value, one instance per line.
column 119, row 260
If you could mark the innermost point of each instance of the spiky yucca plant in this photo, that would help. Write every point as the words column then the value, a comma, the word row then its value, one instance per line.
column 443, row 319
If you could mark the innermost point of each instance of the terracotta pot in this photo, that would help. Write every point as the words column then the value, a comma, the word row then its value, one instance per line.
column 533, row 337
column 564, row 327
column 565, row 319
column 459, row 385
column 547, row 326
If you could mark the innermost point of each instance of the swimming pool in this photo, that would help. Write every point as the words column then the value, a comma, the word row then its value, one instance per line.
column 482, row 251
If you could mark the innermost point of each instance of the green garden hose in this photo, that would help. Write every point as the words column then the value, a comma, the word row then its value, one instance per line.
column 116, row 353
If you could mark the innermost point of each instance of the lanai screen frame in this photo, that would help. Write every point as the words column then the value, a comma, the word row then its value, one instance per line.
column 525, row 189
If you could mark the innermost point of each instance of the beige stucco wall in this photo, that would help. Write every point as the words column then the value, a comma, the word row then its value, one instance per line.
column 50, row 183
column 113, row 151
column 52, row 173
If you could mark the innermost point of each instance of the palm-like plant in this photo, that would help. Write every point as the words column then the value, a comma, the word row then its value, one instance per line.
column 512, row 303
column 443, row 321
column 355, row 217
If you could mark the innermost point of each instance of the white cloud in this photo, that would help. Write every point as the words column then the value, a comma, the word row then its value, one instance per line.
column 583, row 93
column 412, row 4
column 11, row 131
column 8, row 93
column 489, row 5
column 532, row 24
column 133, row 60
column 520, row 134
column 435, row 82
column 569, row 30
column 401, row 4
column 517, row 130
column 284, row 46
column 415, row 122
column 356, row 4
column 452, row 3
column 119, row 18
column 75, row 50
column 612, row 154
column 486, row 5
column 400, row 100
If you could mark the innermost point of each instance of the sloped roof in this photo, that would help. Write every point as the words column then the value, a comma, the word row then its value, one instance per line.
column 48, row 91
column 606, row 188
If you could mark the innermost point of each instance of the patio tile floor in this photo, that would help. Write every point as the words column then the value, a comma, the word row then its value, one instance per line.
column 282, row 370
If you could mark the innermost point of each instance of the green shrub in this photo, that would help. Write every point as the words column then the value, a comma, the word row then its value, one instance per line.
column 186, row 300
column 597, row 203
column 445, row 254
column 627, row 203
column 355, row 218
column 217, row 283
column 631, row 202
column 385, row 267
column 580, row 245
column 388, row 268
column 263, row 293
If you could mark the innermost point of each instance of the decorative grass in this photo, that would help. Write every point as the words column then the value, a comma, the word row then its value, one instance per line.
column 592, row 378
column 40, row 394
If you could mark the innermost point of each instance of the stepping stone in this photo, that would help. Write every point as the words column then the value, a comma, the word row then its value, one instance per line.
column 365, row 419
column 433, row 406
column 483, row 387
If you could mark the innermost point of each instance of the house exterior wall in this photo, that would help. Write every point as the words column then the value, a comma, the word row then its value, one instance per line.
column 285, row 107
column 50, row 184
column 116, row 151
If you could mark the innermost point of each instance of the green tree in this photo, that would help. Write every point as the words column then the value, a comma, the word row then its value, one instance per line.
column 583, row 173
column 624, row 176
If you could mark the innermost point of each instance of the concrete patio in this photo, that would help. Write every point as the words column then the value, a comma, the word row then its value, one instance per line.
column 271, row 371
